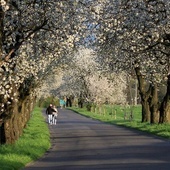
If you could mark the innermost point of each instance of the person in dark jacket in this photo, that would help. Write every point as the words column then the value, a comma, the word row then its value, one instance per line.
column 49, row 112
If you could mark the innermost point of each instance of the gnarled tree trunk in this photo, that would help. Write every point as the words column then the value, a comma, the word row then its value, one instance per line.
column 144, row 96
column 165, row 105
column 154, row 105
column 17, row 115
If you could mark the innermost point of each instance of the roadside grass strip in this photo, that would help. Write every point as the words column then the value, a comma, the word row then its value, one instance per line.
column 34, row 142
column 116, row 115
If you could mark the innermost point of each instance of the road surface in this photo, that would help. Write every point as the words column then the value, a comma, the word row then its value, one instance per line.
column 81, row 143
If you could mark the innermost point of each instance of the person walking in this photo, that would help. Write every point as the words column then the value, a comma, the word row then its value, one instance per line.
column 55, row 114
column 49, row 112
column 62, row 103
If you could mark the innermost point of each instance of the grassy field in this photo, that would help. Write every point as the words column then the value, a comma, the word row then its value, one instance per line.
column 121, row 115
column 32, row 144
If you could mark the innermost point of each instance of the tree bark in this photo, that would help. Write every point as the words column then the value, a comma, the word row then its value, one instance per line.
column 154, row 105
column 165, row 105
column 144, row 95
column 80, row 102
column 145, row 110
column 136, row 93
column 1, row 32
column 17, row 115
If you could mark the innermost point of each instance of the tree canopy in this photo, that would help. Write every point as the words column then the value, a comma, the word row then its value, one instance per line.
column 95, row 43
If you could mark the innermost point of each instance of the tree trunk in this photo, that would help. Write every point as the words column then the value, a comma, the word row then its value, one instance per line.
column 11, row 125
column 17, row 120
column 136, row 93
column 165, row 105
column 145, row 110
column 154, row 105
column 80, row 102
column 131, row 102
column 16, row 116
column 1, row 32
column 144, row 96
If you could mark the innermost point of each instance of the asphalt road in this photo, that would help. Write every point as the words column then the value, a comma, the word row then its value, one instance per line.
column 80, row 143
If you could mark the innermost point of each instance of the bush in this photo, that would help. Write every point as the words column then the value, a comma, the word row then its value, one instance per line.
column 88, row 106
column 45, row 102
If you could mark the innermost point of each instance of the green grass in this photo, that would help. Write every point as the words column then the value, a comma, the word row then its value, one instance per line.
column 115, row 115
column 34, row 142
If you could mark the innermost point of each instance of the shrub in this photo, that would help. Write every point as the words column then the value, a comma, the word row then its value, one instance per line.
column 88, row 106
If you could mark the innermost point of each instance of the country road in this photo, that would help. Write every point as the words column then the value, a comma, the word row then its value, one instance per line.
column 80, row 143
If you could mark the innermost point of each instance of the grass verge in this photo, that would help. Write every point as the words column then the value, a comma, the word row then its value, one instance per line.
column 161, row 130
column 34, row 142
